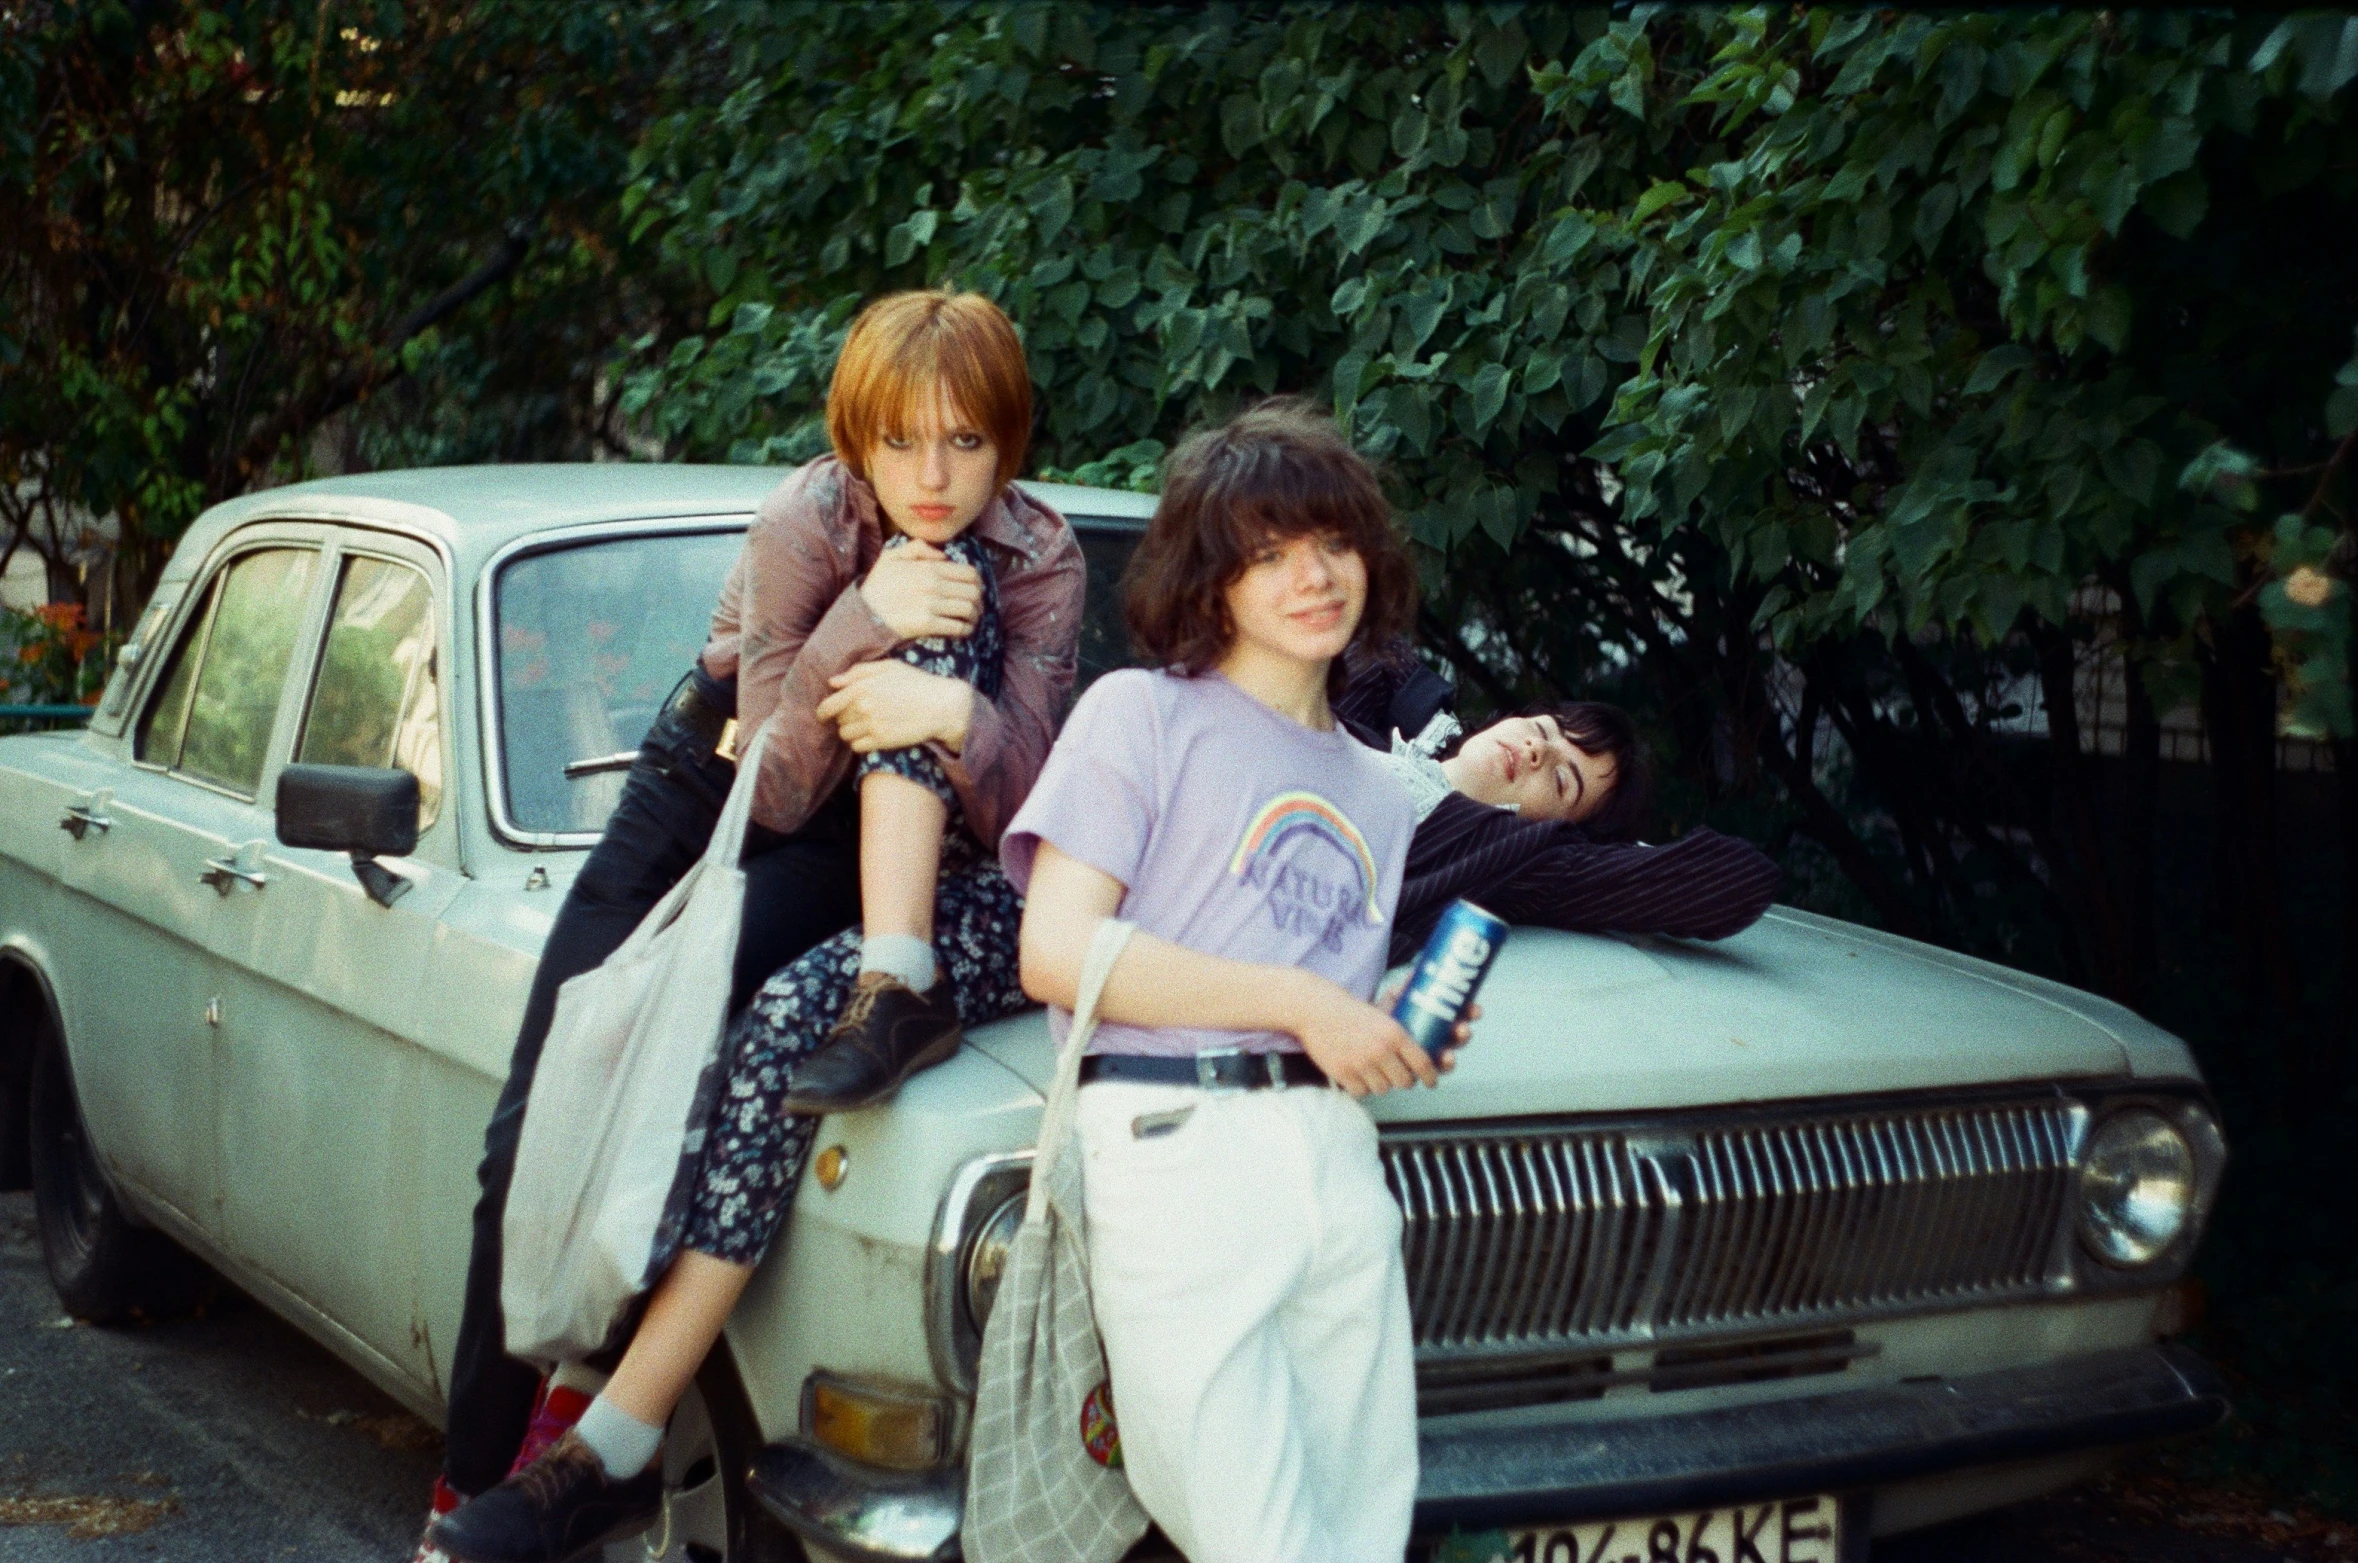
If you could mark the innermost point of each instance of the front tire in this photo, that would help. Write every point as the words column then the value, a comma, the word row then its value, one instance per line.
column 707, row 1450
column 105, row 1268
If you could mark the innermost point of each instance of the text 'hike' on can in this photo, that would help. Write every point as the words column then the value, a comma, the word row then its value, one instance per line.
column 1448, row 972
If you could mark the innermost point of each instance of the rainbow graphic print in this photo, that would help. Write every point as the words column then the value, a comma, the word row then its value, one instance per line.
column 1290, row 812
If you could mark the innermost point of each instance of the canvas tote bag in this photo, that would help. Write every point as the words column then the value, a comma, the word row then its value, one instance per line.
column 1034, row 1491
column 612, row 1103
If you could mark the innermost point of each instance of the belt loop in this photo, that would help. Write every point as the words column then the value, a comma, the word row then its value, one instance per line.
column 1274, row 1062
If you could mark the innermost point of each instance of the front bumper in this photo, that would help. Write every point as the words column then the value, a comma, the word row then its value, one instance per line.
column 1846, row 1442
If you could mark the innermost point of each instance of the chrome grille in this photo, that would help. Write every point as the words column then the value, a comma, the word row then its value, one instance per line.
column 1550, row 1239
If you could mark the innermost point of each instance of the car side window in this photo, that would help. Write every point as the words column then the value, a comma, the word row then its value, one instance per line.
column 213, row 718
column 157, row 741
column 377, row 700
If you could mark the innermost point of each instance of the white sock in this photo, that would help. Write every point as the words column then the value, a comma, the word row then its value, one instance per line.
column 622, row 1443
column 901, row 955
column 579, row 1377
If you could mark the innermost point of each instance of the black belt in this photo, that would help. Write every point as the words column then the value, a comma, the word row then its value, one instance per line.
column 700, row 714
column 1229, row 1069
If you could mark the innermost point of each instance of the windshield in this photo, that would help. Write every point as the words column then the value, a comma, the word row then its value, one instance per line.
column 590, row 639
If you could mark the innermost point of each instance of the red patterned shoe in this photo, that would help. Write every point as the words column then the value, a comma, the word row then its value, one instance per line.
column 554, row 1411
column 444, row 1501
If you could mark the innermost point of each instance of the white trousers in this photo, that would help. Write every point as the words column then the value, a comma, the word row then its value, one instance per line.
column 1247, row 1277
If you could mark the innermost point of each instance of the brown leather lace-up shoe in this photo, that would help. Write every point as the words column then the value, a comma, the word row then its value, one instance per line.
column 887, row 1033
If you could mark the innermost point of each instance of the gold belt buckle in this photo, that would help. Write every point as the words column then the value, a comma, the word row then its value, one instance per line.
column 726, row 745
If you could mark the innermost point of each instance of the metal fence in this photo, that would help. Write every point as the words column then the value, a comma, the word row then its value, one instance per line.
column 39, row 718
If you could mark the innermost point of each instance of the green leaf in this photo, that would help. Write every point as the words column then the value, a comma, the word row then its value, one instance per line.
column 1494, row 217
column 1423, row 314
column 1240, row 124
column 1664, row 194
column 2341, row 412
column 1567, row 239
column 1053, row 208
column 2170, row 150
column 1410, row 414
column 1409, row 129
column 2107, row 316
column 1489, row 395
column 1994, row 367
column 1351, row 373
column 1933, row 212
column 1499, row 53
column 1359, row 227
column 1629, row 93
column 2177, row 204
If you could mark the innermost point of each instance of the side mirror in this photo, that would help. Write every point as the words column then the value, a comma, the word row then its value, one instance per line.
column 360, row 809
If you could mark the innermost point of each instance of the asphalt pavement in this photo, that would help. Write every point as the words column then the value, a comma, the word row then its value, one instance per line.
column 230, row 1438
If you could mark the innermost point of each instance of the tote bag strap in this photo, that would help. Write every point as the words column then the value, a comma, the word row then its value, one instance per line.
column 722, row 852
column 1056, row 1119
column 728, row 832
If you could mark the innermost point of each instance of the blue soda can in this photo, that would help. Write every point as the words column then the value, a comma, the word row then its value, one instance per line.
column 1448, row 972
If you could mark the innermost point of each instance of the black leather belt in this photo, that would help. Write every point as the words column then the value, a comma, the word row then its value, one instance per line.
column 703, row 717
column 1229, row 1069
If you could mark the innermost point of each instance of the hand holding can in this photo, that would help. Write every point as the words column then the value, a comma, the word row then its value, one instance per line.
column 1448, row 973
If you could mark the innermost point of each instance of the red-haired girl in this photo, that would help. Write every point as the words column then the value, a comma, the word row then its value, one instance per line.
column 901, row 627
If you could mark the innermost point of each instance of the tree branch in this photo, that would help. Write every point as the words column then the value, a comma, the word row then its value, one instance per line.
column 356, row 379
column 2341, row 453
column 1463, row 659
column 1824, row 824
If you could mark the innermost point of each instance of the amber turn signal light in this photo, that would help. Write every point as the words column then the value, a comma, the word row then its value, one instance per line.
column 876, row 1424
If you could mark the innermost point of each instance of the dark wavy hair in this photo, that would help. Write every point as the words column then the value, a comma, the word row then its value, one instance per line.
column 1597, row 728
column 1279, row 470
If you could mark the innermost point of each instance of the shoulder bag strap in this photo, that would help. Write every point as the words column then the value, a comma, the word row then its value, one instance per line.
column 1056, row 1119
column 728, row 832
column 722, row 852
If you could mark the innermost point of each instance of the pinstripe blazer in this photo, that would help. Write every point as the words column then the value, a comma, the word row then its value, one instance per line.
column 1702, row 886
column 1554, row 875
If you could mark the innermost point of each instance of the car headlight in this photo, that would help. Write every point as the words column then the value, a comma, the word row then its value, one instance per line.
column 2137, row 1188
column 986, row 1257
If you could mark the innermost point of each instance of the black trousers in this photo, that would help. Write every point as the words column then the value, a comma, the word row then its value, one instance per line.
column 799, row 890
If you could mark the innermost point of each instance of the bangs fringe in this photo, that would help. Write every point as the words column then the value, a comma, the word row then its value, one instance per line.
column 905, row 350
column 1279, row 471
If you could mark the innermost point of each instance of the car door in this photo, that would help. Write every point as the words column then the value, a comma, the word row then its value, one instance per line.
column 320, row 1071
column 175, row 859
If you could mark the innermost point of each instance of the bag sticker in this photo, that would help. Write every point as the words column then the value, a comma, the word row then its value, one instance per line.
column 1099, row 1433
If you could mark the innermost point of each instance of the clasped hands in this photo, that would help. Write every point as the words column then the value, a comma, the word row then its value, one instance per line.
column 916, row 591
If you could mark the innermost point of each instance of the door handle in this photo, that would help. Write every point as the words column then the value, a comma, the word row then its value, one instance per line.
column 244, row 867
column 87, row 814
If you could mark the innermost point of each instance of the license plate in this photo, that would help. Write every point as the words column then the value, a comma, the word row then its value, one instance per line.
column 1790, row 1530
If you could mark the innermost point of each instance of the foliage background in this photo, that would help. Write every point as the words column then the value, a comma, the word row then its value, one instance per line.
column 1831, row 387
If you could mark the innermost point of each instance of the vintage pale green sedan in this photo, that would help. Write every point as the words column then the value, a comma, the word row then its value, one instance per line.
column 1744, row 1251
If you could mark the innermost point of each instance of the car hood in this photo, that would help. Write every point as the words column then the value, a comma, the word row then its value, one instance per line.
column 1796, row 1006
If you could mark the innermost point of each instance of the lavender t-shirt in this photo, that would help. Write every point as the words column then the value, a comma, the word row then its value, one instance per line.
column 1234, row 830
